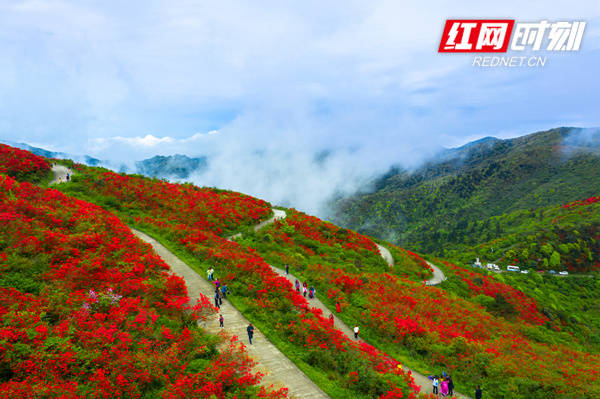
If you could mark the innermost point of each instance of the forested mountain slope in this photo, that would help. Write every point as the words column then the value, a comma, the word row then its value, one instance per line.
column 434, row 206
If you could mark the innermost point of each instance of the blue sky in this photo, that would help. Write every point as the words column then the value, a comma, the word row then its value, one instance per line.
column 262, row 86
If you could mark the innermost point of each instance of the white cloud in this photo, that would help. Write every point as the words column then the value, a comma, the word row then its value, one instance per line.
column 129, row 149
column 279, row 82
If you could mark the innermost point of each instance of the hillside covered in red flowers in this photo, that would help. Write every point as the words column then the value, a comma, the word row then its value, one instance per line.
column 21, row 164
column 193, row 222
column 492, row 334
column 95, row 276
column 87, row 310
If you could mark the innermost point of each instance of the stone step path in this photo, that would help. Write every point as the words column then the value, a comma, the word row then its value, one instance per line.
column 278, row 369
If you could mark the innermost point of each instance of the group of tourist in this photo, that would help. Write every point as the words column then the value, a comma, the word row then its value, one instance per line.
column 221, row 290
column 67, row 177
column 312, row 292
column 442, row 385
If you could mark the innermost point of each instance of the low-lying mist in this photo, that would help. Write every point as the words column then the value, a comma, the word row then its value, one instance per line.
column 304, row 171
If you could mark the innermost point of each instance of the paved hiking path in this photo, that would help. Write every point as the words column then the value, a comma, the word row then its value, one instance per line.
column 277, row 215
column 280, row 371
column 60, row 174
column 420, row 379
column 438, row 275
column 386, row 255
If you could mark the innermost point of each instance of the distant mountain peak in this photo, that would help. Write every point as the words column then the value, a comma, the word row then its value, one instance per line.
column 171, row 166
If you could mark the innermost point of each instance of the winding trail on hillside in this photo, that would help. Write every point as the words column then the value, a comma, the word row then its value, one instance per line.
column 423, row 381
column 438, row 275
column 278, row 214
column 386, row 255
column 60, row 173
column 278, row 369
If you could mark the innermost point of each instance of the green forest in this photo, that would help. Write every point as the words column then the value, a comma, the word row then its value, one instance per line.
column 500, row 200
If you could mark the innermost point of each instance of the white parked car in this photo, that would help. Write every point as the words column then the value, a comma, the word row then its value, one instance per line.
column 564, row 273
column 525, row 271
column 512, row 268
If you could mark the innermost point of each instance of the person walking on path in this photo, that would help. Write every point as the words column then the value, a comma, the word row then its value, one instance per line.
column 435, row 384
column 478, row 393
column 311, row 292
column 250, row 330
column 224, row 290
column 356, row 331
column 304, row 290
column 297, row 283
column 450, row 386
column 209, row 273
column 217, row 283
column 221, row 320
column 444, row 387
column 287, row 269
column 217, row 300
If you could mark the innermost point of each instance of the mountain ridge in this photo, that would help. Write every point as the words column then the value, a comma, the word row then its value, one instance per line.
column 175, row 166
column 421, row 208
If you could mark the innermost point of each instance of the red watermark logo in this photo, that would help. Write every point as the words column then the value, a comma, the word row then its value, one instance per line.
column 476, row 35
column 494, row 35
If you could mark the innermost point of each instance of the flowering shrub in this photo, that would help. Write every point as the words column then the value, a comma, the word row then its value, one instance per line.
column 409, row 264
column 587, row 201
column 511, row 356
column 524, row 306
column 195, row 221
column 465, row 336
column 22, row 165
column 87, row 310
column 314, row 229
column 166, row 204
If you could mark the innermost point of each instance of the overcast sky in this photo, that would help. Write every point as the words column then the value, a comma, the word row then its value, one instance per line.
column 261, row 87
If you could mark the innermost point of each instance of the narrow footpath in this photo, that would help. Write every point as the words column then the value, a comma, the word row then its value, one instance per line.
column 278, row 369
column 386, row 255
column 423, row 381
column 60, row 174
column 438, row 276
